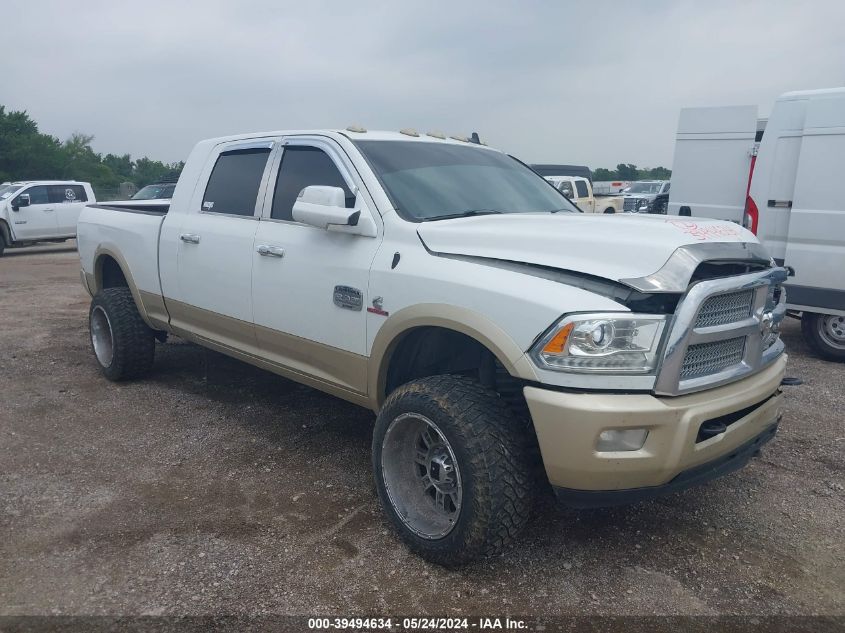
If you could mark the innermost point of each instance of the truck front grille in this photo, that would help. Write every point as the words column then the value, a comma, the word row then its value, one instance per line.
column 631, row 204
column 725, row 308
column 722, row 330
column 704, row 359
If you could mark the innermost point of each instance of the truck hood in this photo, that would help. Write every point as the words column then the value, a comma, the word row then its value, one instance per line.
column 615, row 247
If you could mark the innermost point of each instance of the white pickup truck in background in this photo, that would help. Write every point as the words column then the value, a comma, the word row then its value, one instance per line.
column 447, row 287
column 41, row 211
column 782, row 178
column 580, row 191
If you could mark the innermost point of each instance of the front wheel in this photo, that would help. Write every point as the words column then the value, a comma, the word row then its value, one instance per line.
column 452, row 468
column 825, row 333
column 123, row 344
column 610, row 210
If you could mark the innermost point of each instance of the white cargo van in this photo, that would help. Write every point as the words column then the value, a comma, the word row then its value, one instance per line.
column 783, row 179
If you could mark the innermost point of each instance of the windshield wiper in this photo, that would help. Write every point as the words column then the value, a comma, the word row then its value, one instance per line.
column 463, row 214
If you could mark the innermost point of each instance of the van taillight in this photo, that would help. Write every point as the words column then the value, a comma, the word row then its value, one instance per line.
column 752, row 215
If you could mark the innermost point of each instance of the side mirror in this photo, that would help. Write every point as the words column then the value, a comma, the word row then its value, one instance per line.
column 323, row 206
column 21, row 201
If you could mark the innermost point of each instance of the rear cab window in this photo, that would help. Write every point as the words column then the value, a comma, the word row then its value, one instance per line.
column 65, row 194
column 232, row 188
column 581, row 188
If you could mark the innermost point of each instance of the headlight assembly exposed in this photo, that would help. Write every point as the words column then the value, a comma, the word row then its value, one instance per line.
column 612, row 342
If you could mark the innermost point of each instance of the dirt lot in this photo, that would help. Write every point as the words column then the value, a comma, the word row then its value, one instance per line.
column 214, row 488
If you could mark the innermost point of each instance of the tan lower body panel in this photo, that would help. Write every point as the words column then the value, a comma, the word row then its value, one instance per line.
column 153, row 306
column 335, row 371
column 568, row 427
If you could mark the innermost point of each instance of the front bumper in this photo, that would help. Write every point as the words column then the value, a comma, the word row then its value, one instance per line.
column 568, row 426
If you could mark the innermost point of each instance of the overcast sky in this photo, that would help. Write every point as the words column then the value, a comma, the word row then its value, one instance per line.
column 593, row 83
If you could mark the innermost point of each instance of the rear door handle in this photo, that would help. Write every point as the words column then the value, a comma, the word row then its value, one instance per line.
column 270, row 251
column 190, row 238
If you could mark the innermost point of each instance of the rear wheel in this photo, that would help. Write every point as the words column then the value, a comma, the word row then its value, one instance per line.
column 123, row 344
column 452, row 468
column 825, row 333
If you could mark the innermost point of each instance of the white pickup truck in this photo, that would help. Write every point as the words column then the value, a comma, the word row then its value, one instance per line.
column 41, row 211
column 450, row 289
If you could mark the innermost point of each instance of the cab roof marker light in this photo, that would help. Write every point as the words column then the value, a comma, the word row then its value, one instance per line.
column 439, row 135
column 407, row 131
column 356, row 128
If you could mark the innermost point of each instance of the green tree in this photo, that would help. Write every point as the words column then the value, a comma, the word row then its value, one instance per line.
column 27, row 154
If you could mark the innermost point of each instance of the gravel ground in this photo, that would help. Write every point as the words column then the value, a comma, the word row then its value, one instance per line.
column 213, row 487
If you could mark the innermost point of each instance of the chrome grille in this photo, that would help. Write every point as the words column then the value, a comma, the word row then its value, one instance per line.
column 631, row 204
column 704, row 359
column 725, row 308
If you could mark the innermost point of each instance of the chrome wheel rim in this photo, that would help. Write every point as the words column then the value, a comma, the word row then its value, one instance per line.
column 421, row 476
column 101, row 336
column 832, row 330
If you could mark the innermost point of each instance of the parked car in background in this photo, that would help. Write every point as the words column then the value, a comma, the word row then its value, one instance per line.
column 782, row 178
column 41, row 210
column 580, row 191
column 605, row 187
column 646, row 196
column 448, row 288
column 156, row 191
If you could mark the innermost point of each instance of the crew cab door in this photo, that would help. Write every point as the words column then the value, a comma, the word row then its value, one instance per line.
column 309, row 285
column 584, row 196
column 69, row 200
column 36, row 221
column 710, row 171
column 212, row 299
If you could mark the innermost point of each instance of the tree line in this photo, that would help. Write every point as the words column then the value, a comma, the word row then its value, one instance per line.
column 27, row 154
column 627, row 171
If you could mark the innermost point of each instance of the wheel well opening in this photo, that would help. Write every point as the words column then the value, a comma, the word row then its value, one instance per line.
column 431, row 351
column 111, row 275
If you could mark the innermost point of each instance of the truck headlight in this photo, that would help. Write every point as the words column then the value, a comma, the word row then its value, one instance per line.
column 612, row 342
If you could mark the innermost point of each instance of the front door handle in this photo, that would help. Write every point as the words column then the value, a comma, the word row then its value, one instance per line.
column 48, row 210
column 270, row 251
column 190, row 238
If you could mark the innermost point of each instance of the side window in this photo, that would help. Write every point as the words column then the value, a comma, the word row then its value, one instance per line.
column 565, row 187
column 67, row 193
column 666, row 187
column 581, row 188
column 301, row 167
column 38, row 195
column 233, row 185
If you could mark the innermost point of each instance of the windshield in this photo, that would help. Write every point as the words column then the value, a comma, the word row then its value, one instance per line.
column 8, row 190
column 155, row 192
column 432, row 181
column 643, row 187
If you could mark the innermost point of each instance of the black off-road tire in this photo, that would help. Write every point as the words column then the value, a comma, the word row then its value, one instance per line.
column 811, row 328
column 133, row 341
column 493, row 455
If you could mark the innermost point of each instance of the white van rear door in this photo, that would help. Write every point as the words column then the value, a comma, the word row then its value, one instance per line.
column 713, row 149
column 815, row 246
